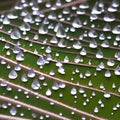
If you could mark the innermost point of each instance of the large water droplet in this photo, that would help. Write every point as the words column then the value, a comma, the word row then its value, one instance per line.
column 107, row 27
column 54, row 40
column 6, row 21
column 24, row 78
column 66, row 10
column 20, row 56
column 48, row 92
column 110, row 62
column 62, row 43
column 13, row 111
column 107, row 95
column 105, row 44
column 77, row 23
column 55, row 86
column 93, row 44
column 25, row 27
column 99, row 54
column 43, row 29
column 61, row 70
column 116, row 30
column 17, row 67
column 83, row 52
column 109, row 17
column 77, row 45
column 13, row 74
column 62, row 85
column 15, row 34
column 61, row 31
column 96, row 9
column 92, row 34
column 107, row 74
column 40, row 61
column 35, row 84
column 28, row 18
column 31, row 73
column 73, row 91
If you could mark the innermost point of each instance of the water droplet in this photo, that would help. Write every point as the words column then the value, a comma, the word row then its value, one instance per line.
column 100, row 102
column 40, row 61
column 60, row 31
column 52, row 72
column 93, row 44
column 105, row 44
column 112, row 9
column 62, row 43
column 24, row 78
column 77, row 45
column 61, row 70
column 48, row 92
column 13, row 74
column 92, row 34
column 102, row 86
column 28, row 18
column 81, row 90
column 80, row 11
column 48, row 49
column 90, row 83
column 66, row 59
column 31, row 73
column 99, row 54
column 114, row 108
column 96, row 9
column 13, row 111
column 25, row 26
column 117, row 70
column 110, row 62
column 12, row 15
column 17, row 67
column 115, row 3
column 62, row 85
column 4, row 106
column 58, row 3
column 55, row 86
column 107, row 27
column 88, row 73
column 6, row 21
column 113, row 86
column 35, row 84
column 3, row 62
column 109, row 17
column 73, row 91
column 43, row 29
column 77, row 59
column 20, row 56
column 3, row 83
column 15, row 34
column 107, row 95
column 107, row 73
column 41, row 77
column 116, row 30
column 48, row 4
column 96, row 110
column 66, row 10
column 52, row 16
column 83, row 52
column 93, row 17
column 77, row 23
